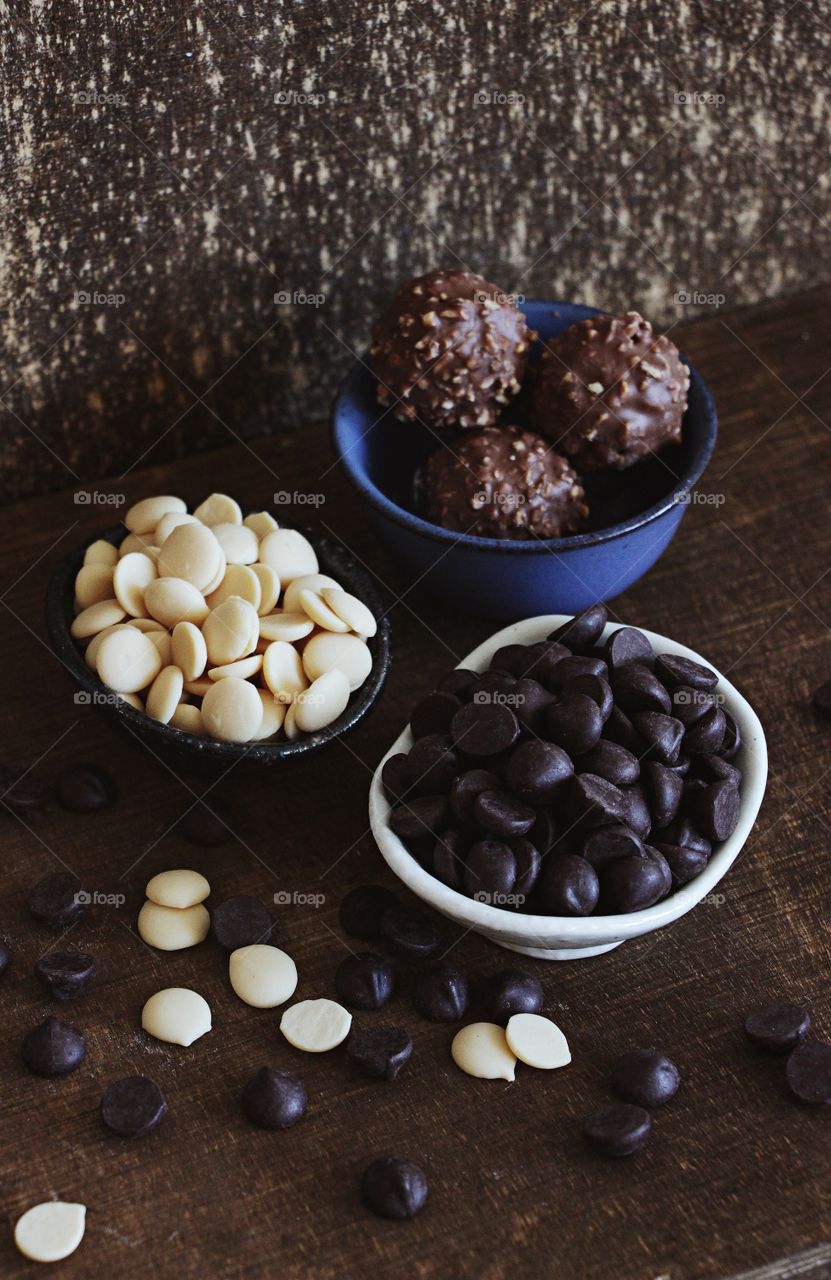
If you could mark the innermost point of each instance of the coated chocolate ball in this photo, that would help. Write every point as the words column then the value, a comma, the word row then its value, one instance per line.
column 610, row 392
column 450, row 350
column 502, row 482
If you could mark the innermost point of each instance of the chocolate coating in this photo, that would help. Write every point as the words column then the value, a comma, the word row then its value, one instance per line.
column 502, row 482
column 450, row 350
column 608, row 392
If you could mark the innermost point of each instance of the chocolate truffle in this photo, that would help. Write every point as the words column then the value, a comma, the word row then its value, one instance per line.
column 450, row 350
column 608, row 392
column 502, row 482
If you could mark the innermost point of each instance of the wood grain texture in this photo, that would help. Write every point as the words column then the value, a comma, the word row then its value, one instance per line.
column 736, row 1175
column 180, row 165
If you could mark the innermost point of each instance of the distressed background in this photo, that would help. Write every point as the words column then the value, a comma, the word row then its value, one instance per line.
column 168, row 171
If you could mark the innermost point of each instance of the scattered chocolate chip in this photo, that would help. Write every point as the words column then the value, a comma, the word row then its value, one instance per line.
column 441, row 994
column 54, row 1048
column 364, row 981
column 241, row 921
column 778, row 1027
column 58, row 899
column 85, row 788
column 65, row 974
column 645, row 1077
column 619, row 1129
column 511, row 991
column 133, row 1107
column 409, row 932
column 274, row 1099
column 380, row 1051
column 361, row 910
column 808, row 1072
column 394, row 1187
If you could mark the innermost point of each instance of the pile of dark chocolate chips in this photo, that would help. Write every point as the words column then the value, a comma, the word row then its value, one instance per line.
column 571, row 778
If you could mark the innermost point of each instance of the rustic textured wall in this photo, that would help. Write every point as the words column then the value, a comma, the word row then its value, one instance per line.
column 167, row 169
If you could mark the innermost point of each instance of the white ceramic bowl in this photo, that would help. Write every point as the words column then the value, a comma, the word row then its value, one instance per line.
column 572, row 937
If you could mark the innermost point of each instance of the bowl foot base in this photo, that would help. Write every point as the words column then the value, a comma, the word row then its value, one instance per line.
column 560, row 953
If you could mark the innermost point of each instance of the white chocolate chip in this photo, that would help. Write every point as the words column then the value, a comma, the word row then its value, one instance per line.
column 232, row 711
column 91, row 651
column 289, row 554
column 93, row 583
column 132, row 700
column 348, row 653
column 537, row 1041
column 318, row 610
column 238, row 580
column 481, row 1050
column 188, row 650
column 106, row 613
column 161, row 639
column 239, row 544
column 322, row 703
column 283, row 671
column 219, row 509
column 172, row 600
column 176, row 1015
column 269, row 587
column 50, row 1231
column 352, row 610
column 143, row 516
column 127, row 660
column 262, row 976
column 170, row 521
column 101, row 552
column 169, row 929
column 228, row 631
column 137, row 542
column 308, row 582
column 290, row 728
column 274, row 713
column 190, row 552
column 286, row 626
column 131, row 578
column 262, row 522
column 243, row 669
column 316, row 1026
column 188, row 718
column 165, row 692
column 179, row 888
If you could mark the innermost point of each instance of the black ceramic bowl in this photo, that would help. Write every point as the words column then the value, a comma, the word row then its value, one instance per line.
column 334, row 560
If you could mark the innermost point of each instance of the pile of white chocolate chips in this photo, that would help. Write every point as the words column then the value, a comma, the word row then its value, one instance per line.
column 219, row 625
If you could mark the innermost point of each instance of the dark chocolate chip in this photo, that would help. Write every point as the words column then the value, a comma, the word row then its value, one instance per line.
column 778, row 1027
column 381, row 1052
column 274, row 1099
column 511, row 658
column 714, row 768
column 361, row 910
column 449, row 854
column 364, row 981
column 209, row 824
column 434, row 713
column 421, row 817
column 664, row 790
column 537, row 770
column 58, row 899
column 545, row 831
column 459, row 682
column 663, row 734
column 689, row 705
column 528, row 864
column 575, row 723
column 706, row 736
column 628, row 645
column 241, row 921
column 483, row 729
column 596, row 688
column 732, row 737
column 490, row 871
column 54, row 1048
column 393, row 1187
column 808, row 1072
column 604, row 844
column 568, row 886
column 636, row 813
column 530, row 702
column 619, row 728
column 133, row 1107
column 632, row 884
column 432, row 765
column 409, row 932
column 716, row 810
column 610, row 761
column 511, row 991
column 442, row 994
column 583, row 630
column 466, row 788
column 541, row 659
column 636, row 688
column 595, row 802
column 682, row 832
column 576, row 668
column 619, row 1129
column 675, row 670
column 65, row 974
column 503, row 815
column 684, row 864
column 645, row 1077
column 85, row 788
column 395, row 777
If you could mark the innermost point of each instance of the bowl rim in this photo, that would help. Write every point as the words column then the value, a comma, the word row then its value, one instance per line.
column 498, row 922
column 506, row 546
column 210, row 749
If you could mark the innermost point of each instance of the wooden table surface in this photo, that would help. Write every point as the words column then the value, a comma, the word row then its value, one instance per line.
column 736, row 1177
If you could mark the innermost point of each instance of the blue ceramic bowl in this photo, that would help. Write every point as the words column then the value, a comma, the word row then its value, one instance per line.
column 634, row 513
